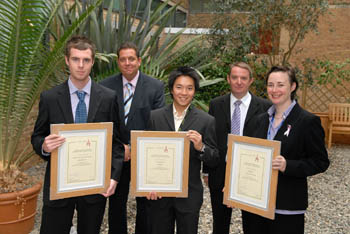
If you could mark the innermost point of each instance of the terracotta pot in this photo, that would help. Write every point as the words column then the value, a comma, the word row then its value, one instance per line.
column 17, row 210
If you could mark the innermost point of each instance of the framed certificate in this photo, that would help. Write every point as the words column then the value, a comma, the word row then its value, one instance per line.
column 82, row 165
column 159, row 163
column 250, row 182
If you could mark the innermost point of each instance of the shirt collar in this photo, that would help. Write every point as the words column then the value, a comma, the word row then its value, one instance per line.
column 245, row 99
column 183, row 113
column 272, row 110
column 133, row 81
column 73, row 89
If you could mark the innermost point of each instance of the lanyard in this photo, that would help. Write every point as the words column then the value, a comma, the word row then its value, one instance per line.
column 271, row 126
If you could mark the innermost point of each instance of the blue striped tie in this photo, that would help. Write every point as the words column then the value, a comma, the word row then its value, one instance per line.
column 236, row 118
column 80, row 112
column 128, row 94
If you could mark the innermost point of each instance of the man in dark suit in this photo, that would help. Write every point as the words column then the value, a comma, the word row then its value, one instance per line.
column 200, row 127
column 77, row 100
column 223, row 109
column 138, row 94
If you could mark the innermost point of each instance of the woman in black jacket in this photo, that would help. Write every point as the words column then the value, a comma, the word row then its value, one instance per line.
column 303, row 154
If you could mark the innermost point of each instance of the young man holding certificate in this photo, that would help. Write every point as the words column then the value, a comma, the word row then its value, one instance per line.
column 78, row 100
column 200, row 127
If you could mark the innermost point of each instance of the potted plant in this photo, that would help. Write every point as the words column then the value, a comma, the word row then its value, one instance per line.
column 29, row 63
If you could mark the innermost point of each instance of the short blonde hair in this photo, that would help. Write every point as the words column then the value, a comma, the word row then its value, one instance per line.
column 242, row 65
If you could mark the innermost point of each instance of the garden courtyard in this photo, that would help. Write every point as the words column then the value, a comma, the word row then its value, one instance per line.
column 329, row 199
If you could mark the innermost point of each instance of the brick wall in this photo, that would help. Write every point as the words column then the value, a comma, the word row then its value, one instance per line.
column 333, row 39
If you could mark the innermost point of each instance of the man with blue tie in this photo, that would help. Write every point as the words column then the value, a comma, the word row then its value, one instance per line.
column 138, row 94
column 78, row 100
column 234, row 114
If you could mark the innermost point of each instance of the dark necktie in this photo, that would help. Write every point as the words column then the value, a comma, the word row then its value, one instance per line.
column 80, row 112
column 128, row 94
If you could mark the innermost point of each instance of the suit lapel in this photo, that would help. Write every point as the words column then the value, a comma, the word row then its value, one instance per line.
column 292, row 118
column 120, row 93
column 64, row 103
column 252, row 109
column 137, row 98
column 263, row 126
column 95, row 101
column 189, row 118
column 226, row 109
column 169, row 117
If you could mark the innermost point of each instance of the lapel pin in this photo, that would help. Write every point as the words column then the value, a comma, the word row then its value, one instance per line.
column 286, row 133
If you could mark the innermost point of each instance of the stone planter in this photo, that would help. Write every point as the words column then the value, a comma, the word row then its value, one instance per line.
column 17, row 210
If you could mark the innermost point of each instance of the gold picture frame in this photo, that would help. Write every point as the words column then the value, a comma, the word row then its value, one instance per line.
column 159, row 163
column 250, row 181
column 82, row 165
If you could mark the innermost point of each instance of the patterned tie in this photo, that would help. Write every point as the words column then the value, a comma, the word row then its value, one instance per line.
column 80, row 112
column 236, row 118
column 128, row 94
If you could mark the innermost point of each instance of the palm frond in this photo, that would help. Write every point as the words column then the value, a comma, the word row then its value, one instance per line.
column 28, row 63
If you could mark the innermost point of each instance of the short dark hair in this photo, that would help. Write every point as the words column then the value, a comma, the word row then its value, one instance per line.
column 128, row 45
column 291, row 77
column 183, row 71
column 80, row 43
column 242, row 65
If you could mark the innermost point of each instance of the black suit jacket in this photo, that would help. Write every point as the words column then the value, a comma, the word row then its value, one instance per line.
column 55, row 107
column 305, row 153
column 195, row 119
column 220, row 109
column 148, row 95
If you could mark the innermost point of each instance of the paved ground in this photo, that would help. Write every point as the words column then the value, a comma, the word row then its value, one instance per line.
column 329, row 200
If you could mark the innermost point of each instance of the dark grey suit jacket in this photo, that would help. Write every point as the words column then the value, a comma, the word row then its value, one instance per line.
column 195, row 119
column 55, row 108
column 220, row 109
column 149, row 95
column 305, row 153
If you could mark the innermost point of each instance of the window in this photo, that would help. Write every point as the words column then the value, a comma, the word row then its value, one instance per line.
column 179, row 19
column 200, row 6
column 116, row 5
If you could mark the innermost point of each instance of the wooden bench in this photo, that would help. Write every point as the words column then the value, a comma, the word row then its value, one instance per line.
column 339, row 120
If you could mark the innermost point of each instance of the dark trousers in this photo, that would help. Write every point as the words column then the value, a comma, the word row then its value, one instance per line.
column 164, row 213
column 221, row 213
column 286, row 224
column 58, row 220
column 117, row 212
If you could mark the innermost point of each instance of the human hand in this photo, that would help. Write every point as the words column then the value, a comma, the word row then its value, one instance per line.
column 279, row 163
column 195, row 138
column 111, row 188
column 127, row 154
column 52, row 142
column 153, row 196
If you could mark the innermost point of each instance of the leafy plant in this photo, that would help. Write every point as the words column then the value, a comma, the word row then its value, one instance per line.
column 256, row 26
column 322, row 72
column 29, row 63
column 108, row 29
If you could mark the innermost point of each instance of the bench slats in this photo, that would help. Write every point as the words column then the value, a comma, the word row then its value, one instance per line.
column 339, row 120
